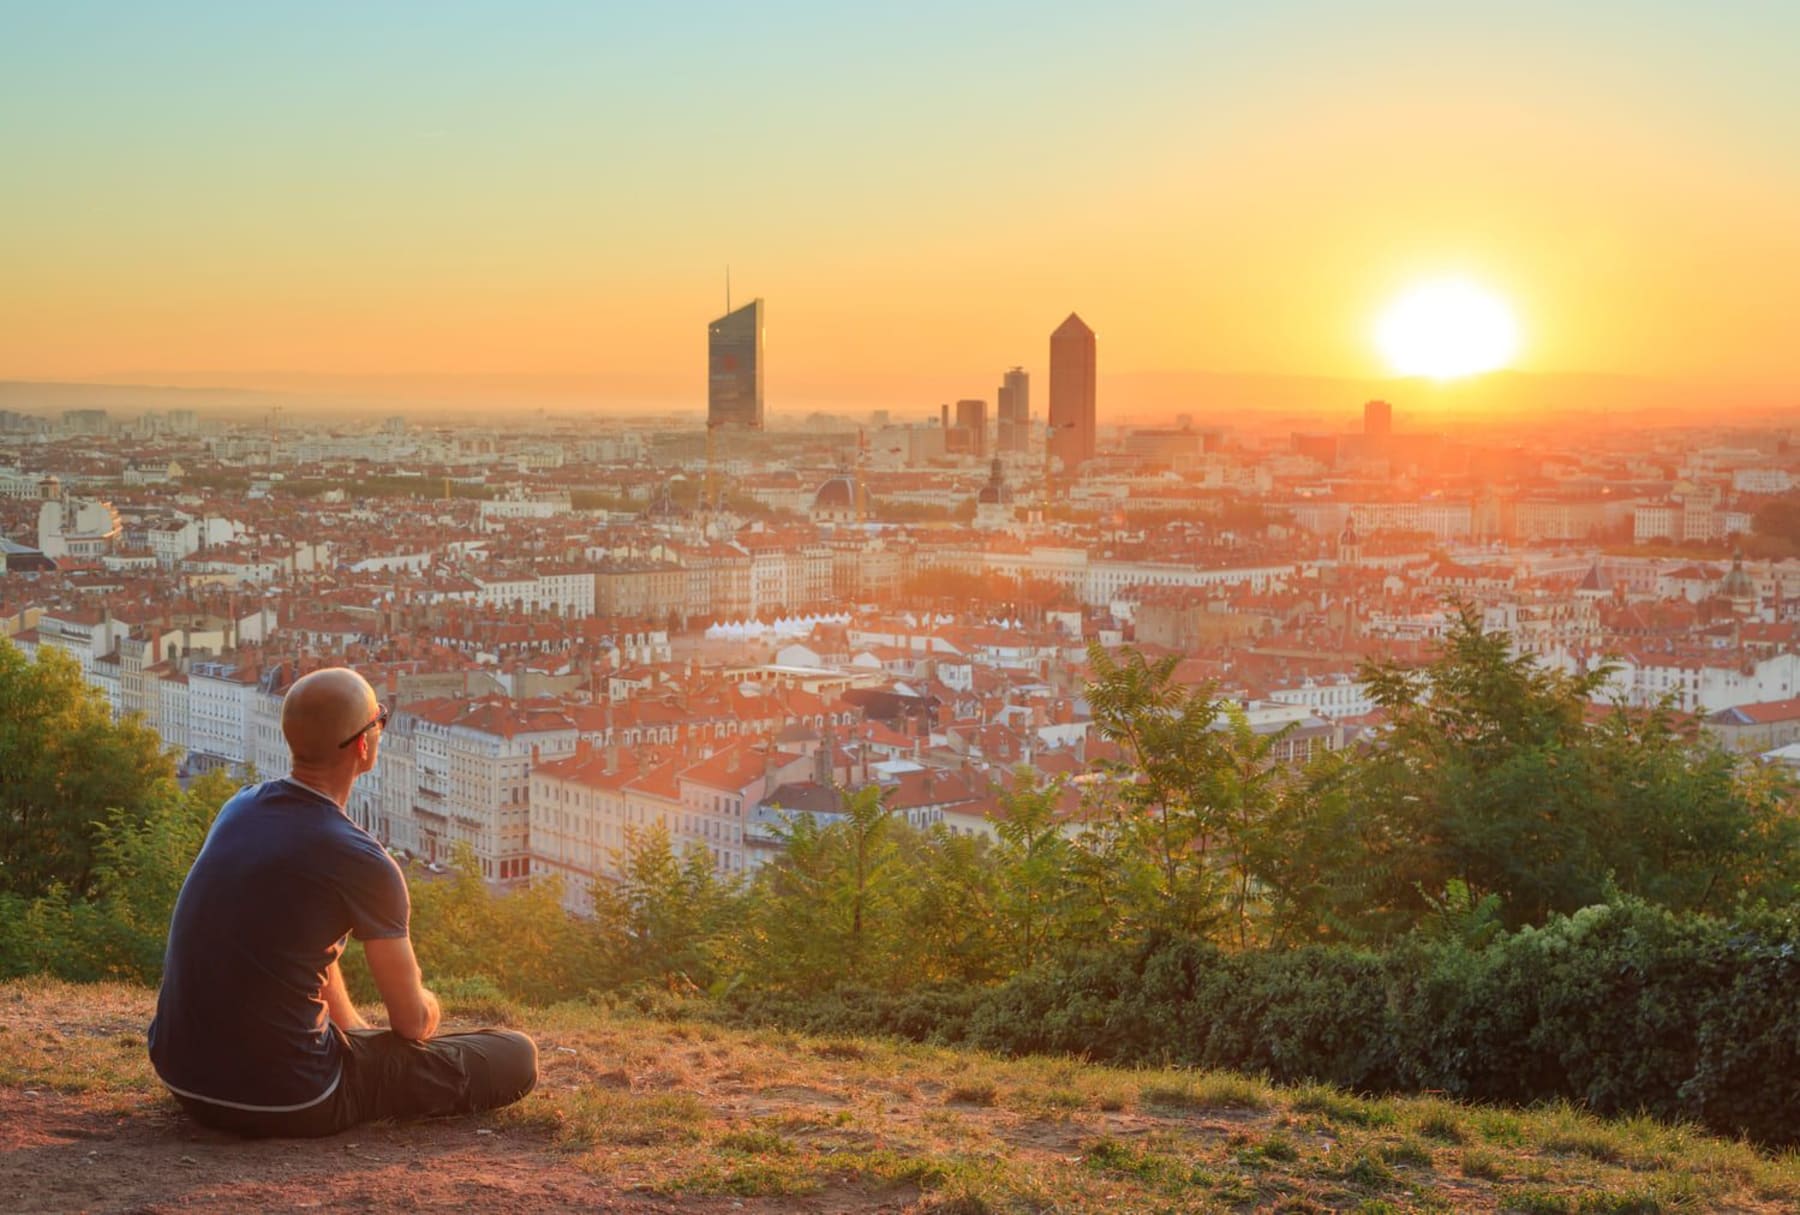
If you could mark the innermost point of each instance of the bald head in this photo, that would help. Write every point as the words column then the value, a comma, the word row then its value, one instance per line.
column 321, row 710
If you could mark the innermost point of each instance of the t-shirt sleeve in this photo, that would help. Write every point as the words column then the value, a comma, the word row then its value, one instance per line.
column 375, row 896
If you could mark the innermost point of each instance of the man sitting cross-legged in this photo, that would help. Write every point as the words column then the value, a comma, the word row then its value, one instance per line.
column 254, row 1031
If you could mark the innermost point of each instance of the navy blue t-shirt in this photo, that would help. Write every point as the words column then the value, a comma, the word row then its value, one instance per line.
column 281, row 880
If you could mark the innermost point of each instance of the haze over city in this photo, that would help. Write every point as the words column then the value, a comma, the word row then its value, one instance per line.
column 505, row 203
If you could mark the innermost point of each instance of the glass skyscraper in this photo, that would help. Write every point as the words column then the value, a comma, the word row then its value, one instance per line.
column 1072, row 367
column 734, row 368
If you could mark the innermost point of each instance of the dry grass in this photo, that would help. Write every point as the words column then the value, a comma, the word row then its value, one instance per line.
column 691, row 1114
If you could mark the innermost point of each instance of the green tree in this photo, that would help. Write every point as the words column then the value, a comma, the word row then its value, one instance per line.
column 67, row 767
column 1167, row 815
column 1491, row 774
column 948, row 930
column 832, row 906
column 139, row 869
column 667, row 918
column 1249, row 787
column 522, row 940
column 791, row 935
column 1696, row 828
column 1032, row 860
column 120, row 929
column 1317, row 859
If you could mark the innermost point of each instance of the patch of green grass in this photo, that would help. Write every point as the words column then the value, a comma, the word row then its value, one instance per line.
column 955, row 1182
column 1110, row 1155
column 1407, row 1152
column 1368, row 1172
column 1344, row 1109
column 1533, row 1200
column 1273, row 1148
column 1482, row 1163
column 745, row 1179
column 1591, row 1143
column 1637, row 1200
column 1673, row 1195
column 1208, row 1090
column 1503, row 1127
column 1161, row 1171
column 756, row 1141
column 1441, row 1125
column 1052, row 1100
column 612, row 1117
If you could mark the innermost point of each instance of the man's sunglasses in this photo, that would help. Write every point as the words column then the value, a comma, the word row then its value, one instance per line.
column 381, row 718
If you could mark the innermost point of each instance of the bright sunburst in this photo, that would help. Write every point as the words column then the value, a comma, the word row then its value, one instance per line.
column 1446, row 329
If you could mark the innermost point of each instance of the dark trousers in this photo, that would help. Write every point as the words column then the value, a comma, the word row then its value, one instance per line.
column 387, row 1076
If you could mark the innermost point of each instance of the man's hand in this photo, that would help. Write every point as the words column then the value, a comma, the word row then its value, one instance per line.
column 412, row 1011
column 436, row 1014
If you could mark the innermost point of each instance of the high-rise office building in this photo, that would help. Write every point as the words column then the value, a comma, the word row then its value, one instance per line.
column 734, row 368
column 971, row 417
column 1072, row 369
column 1378, row 420
column 1014, row 411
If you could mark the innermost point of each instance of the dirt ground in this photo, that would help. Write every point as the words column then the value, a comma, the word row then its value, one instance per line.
column 61, row 1153
column 84, row 1128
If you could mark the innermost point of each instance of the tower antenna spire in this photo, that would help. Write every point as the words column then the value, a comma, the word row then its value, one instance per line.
column 728, row 290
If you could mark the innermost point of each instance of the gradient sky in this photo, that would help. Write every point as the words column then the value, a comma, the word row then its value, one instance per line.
column 924, row 190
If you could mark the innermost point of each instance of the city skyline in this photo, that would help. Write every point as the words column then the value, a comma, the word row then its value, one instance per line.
column 234, row 198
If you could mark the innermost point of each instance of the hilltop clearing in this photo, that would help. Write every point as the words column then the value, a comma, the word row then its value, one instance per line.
column 644, row 1115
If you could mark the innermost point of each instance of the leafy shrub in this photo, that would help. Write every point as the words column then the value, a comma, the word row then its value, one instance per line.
column 1618, row 1008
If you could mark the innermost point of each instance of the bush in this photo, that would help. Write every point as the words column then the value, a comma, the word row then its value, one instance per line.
column 1620, row 1008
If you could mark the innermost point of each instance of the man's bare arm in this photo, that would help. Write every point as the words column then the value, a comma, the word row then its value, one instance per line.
column 412, row 1011
column 338, row 1003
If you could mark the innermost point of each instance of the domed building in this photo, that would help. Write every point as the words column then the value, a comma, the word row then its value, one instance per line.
column 663, row 508
column 1349, row 545
column 1738, row 590
column 837, row 501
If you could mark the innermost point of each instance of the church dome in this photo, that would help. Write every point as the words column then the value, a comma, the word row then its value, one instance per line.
column 1738, row 584
column 836, row 494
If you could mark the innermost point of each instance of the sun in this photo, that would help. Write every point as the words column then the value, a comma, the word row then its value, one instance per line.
column 1446, row 329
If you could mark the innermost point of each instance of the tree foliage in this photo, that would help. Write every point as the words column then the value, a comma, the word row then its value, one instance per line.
column 665, row 919
column 522, row 940
column 1490, row 773
column 69, row 770
column 119, row 928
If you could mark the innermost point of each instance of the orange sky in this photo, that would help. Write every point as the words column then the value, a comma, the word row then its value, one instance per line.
column 216, row 196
